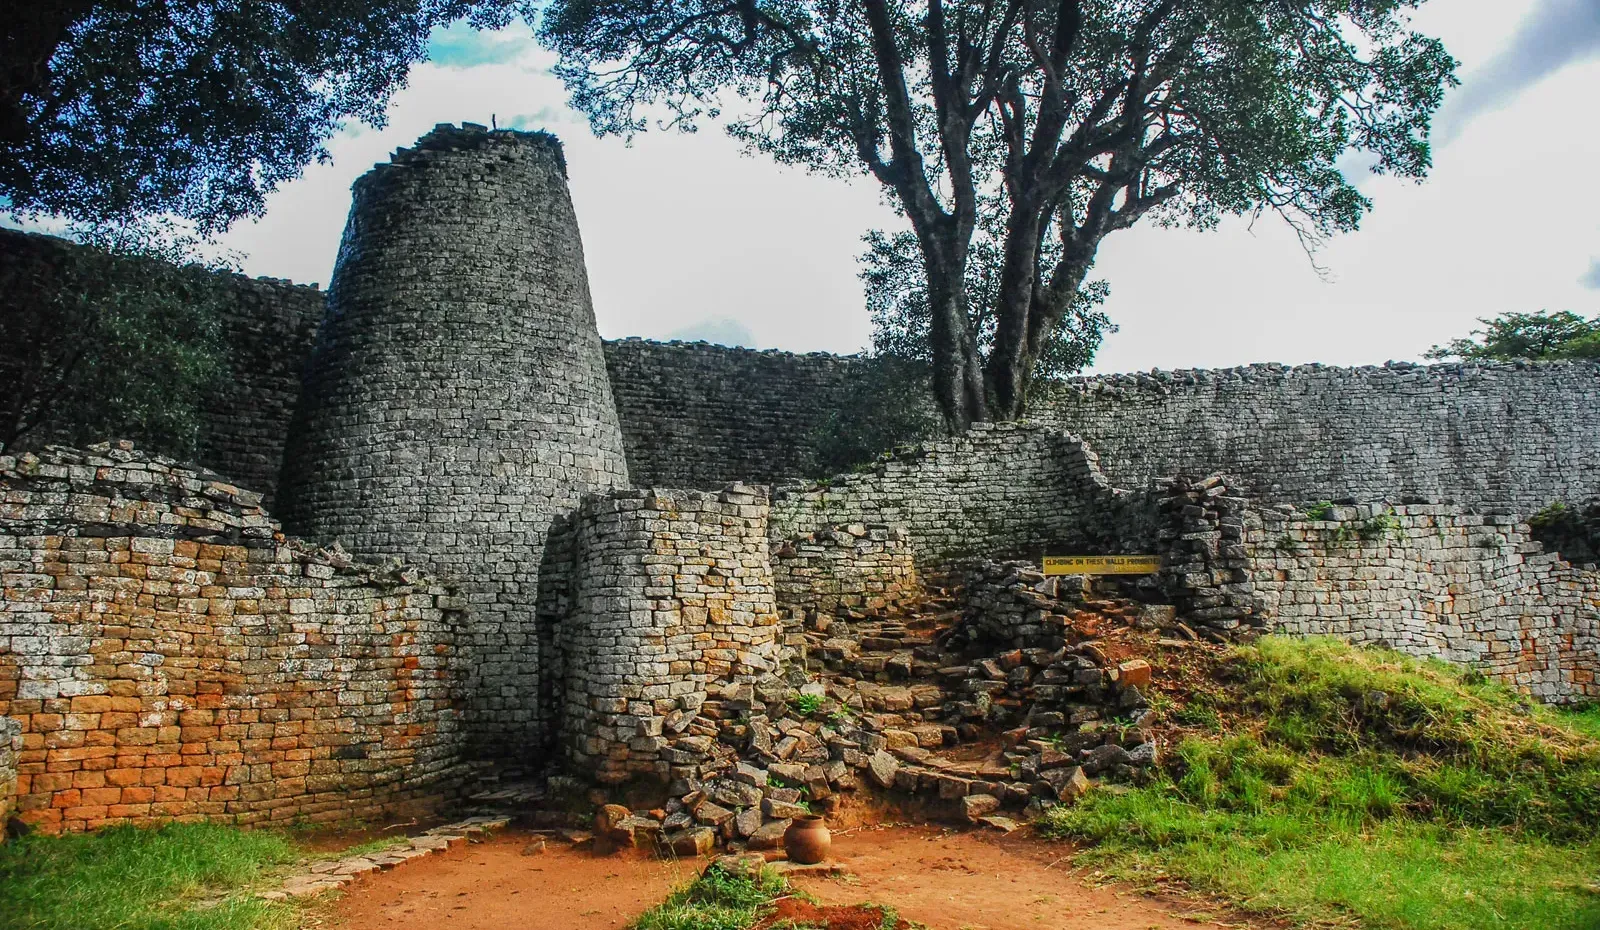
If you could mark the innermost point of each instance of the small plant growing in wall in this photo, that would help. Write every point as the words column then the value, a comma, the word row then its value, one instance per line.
column 807, row 704
column 1321, row 510
column 1380, row 526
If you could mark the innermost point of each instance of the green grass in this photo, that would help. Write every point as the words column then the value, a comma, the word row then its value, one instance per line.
column 717, row 900
column 1329, row 784
column 133, row 879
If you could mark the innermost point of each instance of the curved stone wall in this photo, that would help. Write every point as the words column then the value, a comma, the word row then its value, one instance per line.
column 167, row 654
column 457, row 398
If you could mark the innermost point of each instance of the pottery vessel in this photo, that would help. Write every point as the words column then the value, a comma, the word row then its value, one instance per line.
column 807, row 840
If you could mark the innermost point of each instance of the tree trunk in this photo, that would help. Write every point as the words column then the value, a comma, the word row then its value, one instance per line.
column 957, row 371
column 1011, row 358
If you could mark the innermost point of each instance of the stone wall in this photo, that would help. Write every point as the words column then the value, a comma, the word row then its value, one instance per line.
column 699, row 415
column 1433, row 580
column 1495, row 437
column 169, row 654
column 671, row 594
column 10, row 746
column 268, row 327
column 1000, row 491
column 457, row 402
column 840, row 569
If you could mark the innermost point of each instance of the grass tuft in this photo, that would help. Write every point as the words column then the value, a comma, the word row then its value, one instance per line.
column 1324, row 782
column 717, row 900
column 141, row 879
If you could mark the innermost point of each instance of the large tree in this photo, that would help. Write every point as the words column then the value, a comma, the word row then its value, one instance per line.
column 1078, row 117
column 112, row 110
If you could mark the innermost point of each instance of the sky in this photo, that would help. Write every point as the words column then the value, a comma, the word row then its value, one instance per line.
column 688, row 237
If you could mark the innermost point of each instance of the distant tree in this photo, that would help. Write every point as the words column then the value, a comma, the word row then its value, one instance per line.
column 1542, row 335
column 1076, row 117
column 116, row 342
column 112, row 110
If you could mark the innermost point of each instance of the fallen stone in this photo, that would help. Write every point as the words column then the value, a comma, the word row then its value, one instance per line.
column 1134, row 673
column 695, row 841
column 1003, row 824
column 1068, row 783
column 779, row 810
column 747, row 821
column 882, row 767
column 977, row 806
column 769, row 835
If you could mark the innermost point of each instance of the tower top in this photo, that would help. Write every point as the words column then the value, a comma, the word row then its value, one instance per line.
column 469, row 137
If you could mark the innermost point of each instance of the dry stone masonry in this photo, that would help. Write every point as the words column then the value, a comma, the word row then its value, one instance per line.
column 168, row 654
column 267, row 332
column 1432, row 580
column 697, row 415
column 457, row 402
column 842, row 568
column 999, row 491
column 10, row 747
column 1499, row 437
column 738, row 653
column 672, row 594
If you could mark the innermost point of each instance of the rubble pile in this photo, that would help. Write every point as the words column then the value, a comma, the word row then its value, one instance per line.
column 993, row 696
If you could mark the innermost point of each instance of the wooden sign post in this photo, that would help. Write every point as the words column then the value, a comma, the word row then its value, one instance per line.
column 1102, row 564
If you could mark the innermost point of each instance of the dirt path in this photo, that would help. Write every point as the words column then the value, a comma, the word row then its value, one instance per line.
column 981, row 881
column 949, row 881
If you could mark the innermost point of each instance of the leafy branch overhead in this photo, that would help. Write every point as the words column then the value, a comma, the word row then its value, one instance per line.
column 1067, row 119
column 116, row 110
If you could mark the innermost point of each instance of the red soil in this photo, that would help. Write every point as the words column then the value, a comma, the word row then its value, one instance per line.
column 946, row 880
column 793, row 912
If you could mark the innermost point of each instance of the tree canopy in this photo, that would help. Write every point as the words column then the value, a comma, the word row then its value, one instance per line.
column 112, row 110
column 1070, row 119
column 1542, row 335
column 122, row 340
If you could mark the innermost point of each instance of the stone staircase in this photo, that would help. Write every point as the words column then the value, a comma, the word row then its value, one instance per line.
column 1001, row 692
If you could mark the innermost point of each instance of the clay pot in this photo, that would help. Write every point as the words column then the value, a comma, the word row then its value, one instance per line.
column 807, row 840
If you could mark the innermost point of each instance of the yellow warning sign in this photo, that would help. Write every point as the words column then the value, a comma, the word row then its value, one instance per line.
column 1102, row 564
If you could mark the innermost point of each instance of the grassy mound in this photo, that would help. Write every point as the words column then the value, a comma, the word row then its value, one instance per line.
column 134, row 879
column 1323, row 783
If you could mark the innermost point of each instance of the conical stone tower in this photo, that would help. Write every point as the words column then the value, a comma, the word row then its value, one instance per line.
column 457, row 402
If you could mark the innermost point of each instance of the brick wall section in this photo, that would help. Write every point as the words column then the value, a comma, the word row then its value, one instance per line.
column 268, row 330
column 699, row 415
column 1434, row 580
column 999, row 491
column 1495, row 437
column 10, row 745
column 852, row 567
column 169, row 654
column 457, row 402
column 672, row 593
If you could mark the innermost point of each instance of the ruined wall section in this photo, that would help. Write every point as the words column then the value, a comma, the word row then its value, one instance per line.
column 169, row 654
column 671, row 595
column 457, row 401
column 849, row 568
column 999, row 491
column 267, row 330
column 1433, row 580
column 1510, row 437
column 700, row 415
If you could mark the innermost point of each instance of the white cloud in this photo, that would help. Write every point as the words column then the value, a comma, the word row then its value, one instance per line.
column 1591, row 278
